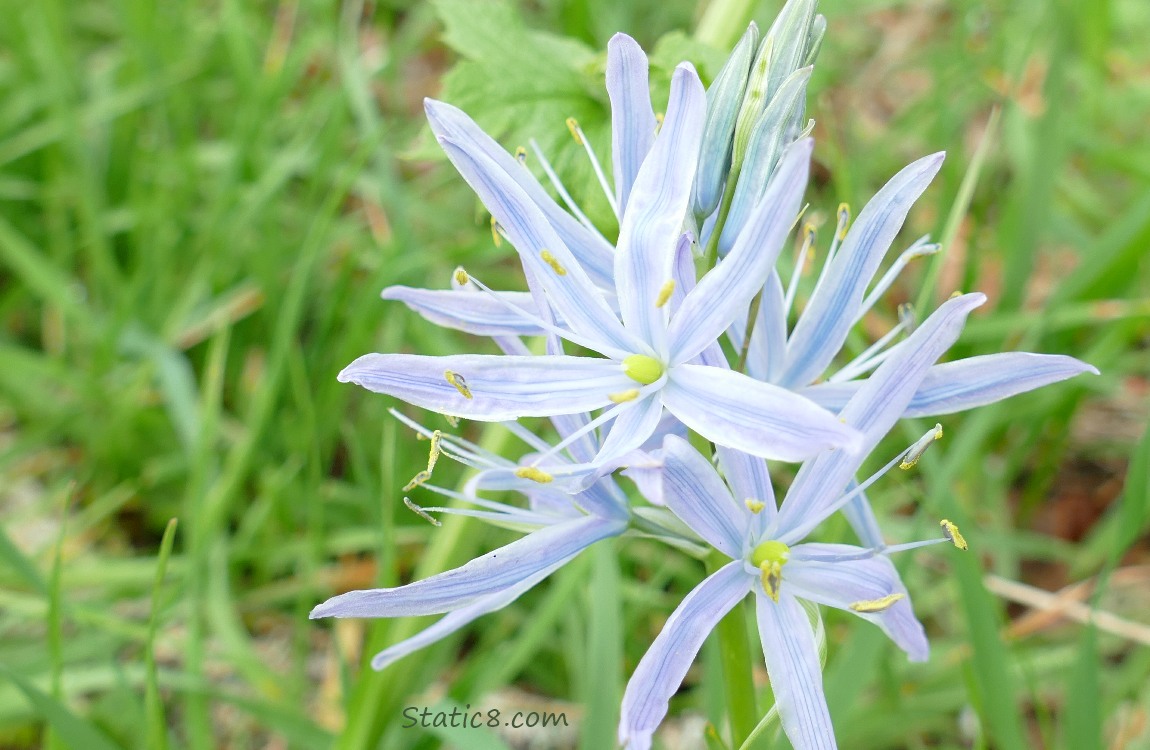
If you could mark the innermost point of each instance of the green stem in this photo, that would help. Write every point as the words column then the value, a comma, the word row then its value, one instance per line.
column 739, row 685
column 724, row 21
column 752, row 316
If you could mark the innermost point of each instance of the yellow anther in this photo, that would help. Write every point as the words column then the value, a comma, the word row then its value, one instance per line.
column 623, row 397
column 658, row 122
column 451, row 420
column 870, row 606
column 460, row 384
column 953, row 535
column 665, row 293
column 534, row 474
column 643, row 369
column 461, row 277
column 421, row 512
column 753, row 505
column 915, row 452
column 772, row 576
column 550, row 260
column 906, row 316
column 496, row 237
column 576, row 132
column 433, row 455
column 417, row 480
column 955, row 293
column 809, row 234
column 520, row 154
column 844, row 221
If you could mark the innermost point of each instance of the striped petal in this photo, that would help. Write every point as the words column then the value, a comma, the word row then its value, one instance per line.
column 968, row 383
column 495, row 572
column 823, row 326
column 725, row 292
column 694, row 492
column 545, row 257
column 793, row 666
column 461, row 617
column 656, row 209
column 590, row 248
column 764, row 420
column 475, row 312
column 633, row 121
column 842, row 584
column 873, row 410
column 663, row 667
column 492, row 388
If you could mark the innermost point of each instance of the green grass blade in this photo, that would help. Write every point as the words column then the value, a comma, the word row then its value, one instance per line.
column 157, row 731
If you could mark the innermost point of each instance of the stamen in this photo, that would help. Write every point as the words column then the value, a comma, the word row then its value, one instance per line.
column 556, row 183
column 534, row 474
column 576, row 131
column 460, row 384
column 417, row 480
column 870, row 606
column 658, row 122
column 802, row 263
column 915, row 452
column 421, row 512
column 921, row 248
column 873, row 355
column 520, row 154
column 550, row 260
column 643, row 369
column 841, row 227
column 496, row 237
column 753, row 505
column 581, row 139
column 623, row 397
column 451, row 420
column 665, row 293
column 952, row 534
column 461, row 277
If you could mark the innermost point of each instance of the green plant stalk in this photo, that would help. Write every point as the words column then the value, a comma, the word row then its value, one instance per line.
column 739, row 684
column 372, row 704
column 723, row 21
column 157, row 730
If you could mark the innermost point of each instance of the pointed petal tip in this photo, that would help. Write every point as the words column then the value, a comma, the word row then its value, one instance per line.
column 621, row 38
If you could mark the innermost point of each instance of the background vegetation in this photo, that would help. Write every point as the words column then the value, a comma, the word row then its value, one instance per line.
column 199, row 202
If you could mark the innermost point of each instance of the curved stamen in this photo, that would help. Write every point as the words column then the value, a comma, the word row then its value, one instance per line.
column 556, row 183
column 581, row 139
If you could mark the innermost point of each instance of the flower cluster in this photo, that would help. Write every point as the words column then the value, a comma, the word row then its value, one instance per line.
column 693, row 374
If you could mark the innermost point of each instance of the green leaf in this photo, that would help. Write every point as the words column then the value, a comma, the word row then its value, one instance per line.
column 71, row 729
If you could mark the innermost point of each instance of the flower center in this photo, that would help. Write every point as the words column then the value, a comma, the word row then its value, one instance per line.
column 643, row 369
column 769, row 558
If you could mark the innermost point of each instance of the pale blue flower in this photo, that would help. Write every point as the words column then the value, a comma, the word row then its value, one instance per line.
column 560, row 526
column 770, row 558
column 651, row 345
column 800, row 359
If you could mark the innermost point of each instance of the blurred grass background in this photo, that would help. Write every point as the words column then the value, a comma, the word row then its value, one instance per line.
column 199, row 203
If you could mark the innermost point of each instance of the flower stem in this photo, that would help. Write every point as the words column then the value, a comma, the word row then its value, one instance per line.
column 739, row 685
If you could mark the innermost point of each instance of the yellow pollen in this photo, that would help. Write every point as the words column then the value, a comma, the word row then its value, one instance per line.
column 534, row 474
column 916, row 451
column 576, row 133
column 869, row 606
column 658, row 122
column 550, row 260
column 451, row 420
column 520, row 154
column 809, row 234
column 844, row 220
column 417, row 480
column 623, row 397
column 643, row 369
column 433, row 455
column 753, row 505
column 460, row 384
column 953, row 535
column 955, row 293
column 461, row 277
column 421, row 512
column 495, row 236
column 665, row 293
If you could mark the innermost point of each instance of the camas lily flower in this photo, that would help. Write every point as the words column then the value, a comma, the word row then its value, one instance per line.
column 560, row 526
column 799, row 359
column 770, row 558
column 649, row 355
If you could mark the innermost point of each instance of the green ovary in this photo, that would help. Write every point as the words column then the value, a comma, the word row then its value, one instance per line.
column 643, row 369
column 772, row 552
